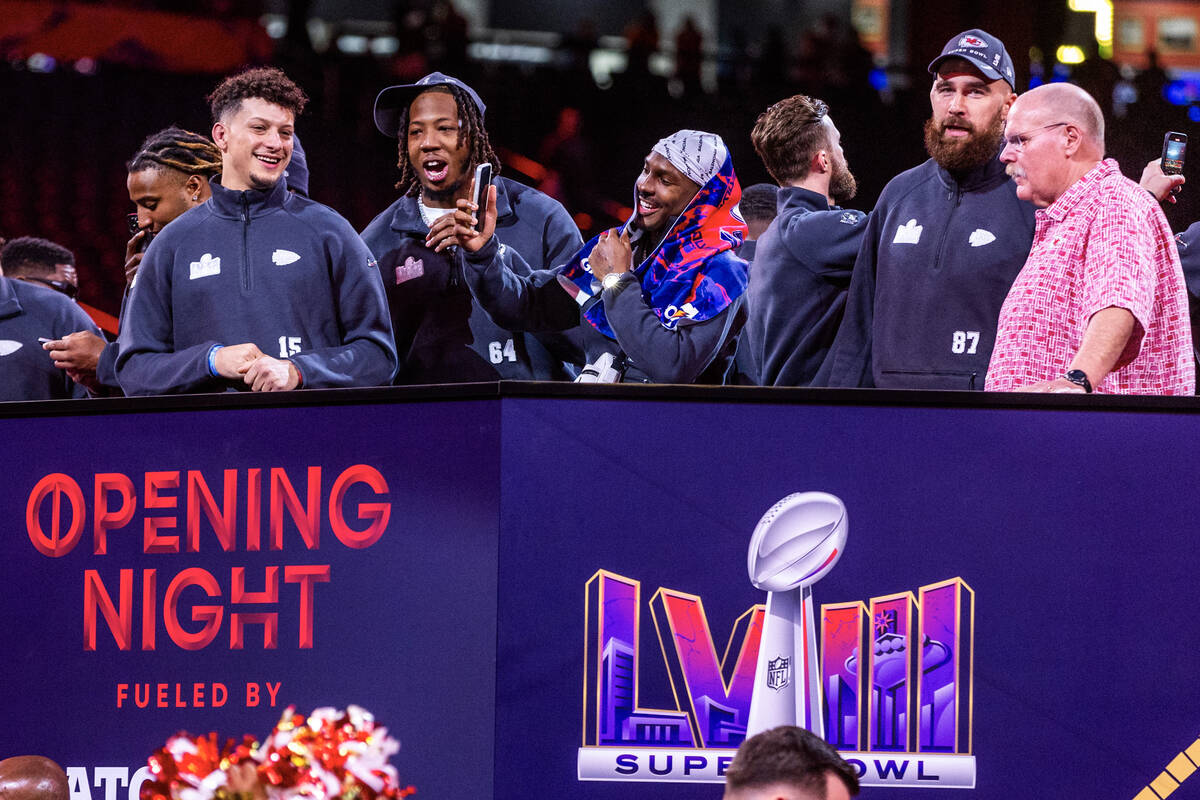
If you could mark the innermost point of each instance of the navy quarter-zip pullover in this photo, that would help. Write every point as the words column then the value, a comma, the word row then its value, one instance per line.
column 938, row 256
column 272, row 268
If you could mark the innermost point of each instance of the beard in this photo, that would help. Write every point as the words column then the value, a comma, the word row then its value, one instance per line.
column 842, row 186
column 973, row 150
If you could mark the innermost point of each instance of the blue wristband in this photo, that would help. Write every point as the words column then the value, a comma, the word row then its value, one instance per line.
column 212, row 360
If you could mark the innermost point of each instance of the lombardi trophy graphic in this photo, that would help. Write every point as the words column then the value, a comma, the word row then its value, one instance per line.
column 795, row 544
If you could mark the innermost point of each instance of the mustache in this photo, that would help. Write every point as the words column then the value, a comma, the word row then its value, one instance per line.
column 1014, row 171
column 961, row 125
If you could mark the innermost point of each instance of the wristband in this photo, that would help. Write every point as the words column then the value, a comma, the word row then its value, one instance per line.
column 212, row 360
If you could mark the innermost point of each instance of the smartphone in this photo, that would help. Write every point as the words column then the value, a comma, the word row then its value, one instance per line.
column 483, row 179
column 1174, row 147
column 134, row 226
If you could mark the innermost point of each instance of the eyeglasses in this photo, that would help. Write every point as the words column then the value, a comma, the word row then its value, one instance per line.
column 69, row 289
column 1017, row 141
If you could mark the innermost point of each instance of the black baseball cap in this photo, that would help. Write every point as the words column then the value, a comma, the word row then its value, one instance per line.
column 393, row 100
column 984, row 51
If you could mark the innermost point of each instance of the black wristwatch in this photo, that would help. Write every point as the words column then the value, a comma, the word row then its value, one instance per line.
column 1079, row 378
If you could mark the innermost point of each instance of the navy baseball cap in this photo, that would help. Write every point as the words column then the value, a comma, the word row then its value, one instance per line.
column 984, row 51
column 393, row 100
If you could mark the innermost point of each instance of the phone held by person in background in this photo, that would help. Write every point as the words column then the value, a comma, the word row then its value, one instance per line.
column 1174, row 147
column 483, row 178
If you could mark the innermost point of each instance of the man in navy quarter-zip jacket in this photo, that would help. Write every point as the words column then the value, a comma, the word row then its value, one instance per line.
column 257, row 288
column 943, row 244
column 804, row 259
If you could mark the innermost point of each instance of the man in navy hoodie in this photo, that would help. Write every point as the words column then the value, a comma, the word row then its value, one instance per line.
column 442, row 335
column 30, row 310
column 258, row 288
column 944, row 242
column 803, row 261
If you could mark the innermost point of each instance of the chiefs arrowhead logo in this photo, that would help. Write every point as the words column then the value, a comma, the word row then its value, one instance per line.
column 971, row 41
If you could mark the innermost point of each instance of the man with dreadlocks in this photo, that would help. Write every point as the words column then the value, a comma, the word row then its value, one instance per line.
column 167, row 176
column 658, row 300
column 257, row 288
column 442, row 335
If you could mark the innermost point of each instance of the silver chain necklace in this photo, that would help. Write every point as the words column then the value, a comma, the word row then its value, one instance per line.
column 425, row 215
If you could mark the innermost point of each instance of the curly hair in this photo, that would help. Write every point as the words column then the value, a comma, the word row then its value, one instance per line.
column 788, row 134
column 264, row 83
column 29, row 255
column 470, row 130
column 177, row 149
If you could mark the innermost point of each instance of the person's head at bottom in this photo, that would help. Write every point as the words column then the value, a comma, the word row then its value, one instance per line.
column 789, row 763
column 32, row 778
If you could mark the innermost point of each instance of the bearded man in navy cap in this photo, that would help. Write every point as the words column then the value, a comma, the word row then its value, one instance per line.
column 944, row 243
column 442, row 334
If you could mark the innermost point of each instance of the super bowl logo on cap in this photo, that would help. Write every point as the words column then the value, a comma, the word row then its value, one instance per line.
column 971, row 41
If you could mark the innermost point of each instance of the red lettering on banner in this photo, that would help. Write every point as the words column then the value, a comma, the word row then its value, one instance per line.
column 149, row 608
column 253, row 510
column 56, row 543
column 238, row 620
column 192, row 695
column 210, row 616
column 273, row 690
column 152, row 542
column 306, row 517
column 103, row 519
column 376, row 513
column 120, row 621
column 119, row 614
column 307, row 576
column 200, row 498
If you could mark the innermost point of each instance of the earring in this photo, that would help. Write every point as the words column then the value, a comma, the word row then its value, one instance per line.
column 196, row 197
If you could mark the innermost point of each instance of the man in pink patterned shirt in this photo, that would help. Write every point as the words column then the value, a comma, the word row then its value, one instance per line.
column 1101, row 300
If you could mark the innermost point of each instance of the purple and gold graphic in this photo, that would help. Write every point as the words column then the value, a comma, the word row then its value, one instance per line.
column 719, row 705
column 845, row 632
column 944, row 696
column 892, row 667
column 890, row 685
column 611, row 714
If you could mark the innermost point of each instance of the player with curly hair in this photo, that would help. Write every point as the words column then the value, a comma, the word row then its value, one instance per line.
column 259, row 288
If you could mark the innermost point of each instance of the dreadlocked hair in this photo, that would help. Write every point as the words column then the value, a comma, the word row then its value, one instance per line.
column 470, row 129
column 177, row 149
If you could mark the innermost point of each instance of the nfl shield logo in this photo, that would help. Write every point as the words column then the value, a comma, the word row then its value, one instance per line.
column 778, row 673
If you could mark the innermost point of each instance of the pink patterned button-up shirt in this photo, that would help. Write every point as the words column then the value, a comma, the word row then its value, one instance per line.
column 1104, row 242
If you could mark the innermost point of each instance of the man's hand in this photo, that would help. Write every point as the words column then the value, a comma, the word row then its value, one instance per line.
column 234, row 360
column 78, row 353
column 457, row 228
column 1161, row 185
column 613, row 253
column 269, row 374
column 1058, row 386
column 133, row 255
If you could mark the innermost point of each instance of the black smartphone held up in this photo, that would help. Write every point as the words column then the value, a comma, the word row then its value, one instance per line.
column 134, row 227
column 483, row 179
column 1174, row 147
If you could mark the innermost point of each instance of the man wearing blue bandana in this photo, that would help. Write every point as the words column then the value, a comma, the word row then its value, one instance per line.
column 663, row 294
